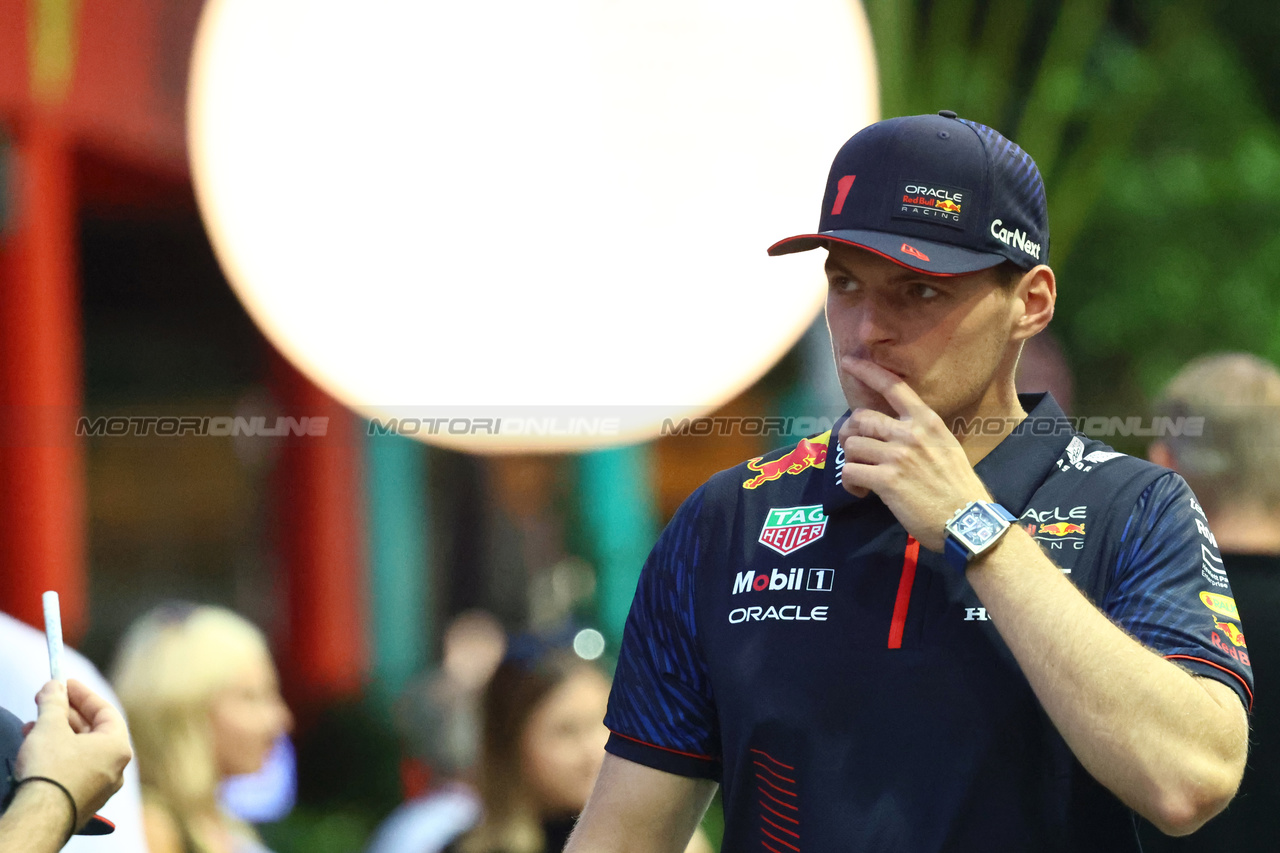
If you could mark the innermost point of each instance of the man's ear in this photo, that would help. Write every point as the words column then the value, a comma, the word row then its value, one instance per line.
column 1035, row 294
column 1160, row 454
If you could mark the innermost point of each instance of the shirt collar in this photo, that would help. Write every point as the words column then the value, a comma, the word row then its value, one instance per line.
column 1013, row 471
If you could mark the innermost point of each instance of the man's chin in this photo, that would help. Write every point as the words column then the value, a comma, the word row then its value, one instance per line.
column 872, row 401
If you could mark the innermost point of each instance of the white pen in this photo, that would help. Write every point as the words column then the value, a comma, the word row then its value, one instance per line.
column 53, row 633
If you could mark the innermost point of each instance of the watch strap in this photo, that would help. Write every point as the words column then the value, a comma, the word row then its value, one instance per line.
column 956, row 554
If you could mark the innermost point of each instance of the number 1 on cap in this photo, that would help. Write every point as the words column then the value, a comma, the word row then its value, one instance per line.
column 53, row 633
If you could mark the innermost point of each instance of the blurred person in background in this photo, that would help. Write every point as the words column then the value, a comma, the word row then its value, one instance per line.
column 438, row 719
column 1233, row 466
column 541, row 746
column 201, row 693
column 24, row 667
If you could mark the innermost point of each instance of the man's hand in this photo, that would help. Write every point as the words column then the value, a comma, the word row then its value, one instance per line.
column 913, row 462
column 78, row 739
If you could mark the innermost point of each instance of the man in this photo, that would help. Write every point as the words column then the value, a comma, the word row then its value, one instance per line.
column 69, row 764
column 799, row 636
column 1233, row 463
column 24, row 667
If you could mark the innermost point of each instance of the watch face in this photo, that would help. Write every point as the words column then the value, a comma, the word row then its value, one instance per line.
column 977, row 526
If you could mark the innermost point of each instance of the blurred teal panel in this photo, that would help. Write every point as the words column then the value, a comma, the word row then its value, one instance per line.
column 400, row 589
column 618, row 510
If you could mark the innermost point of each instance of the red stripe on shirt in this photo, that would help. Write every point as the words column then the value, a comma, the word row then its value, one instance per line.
column 909, row 558
column 771, row 758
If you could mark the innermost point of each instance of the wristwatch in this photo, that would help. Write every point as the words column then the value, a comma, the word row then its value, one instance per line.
column 974, row 528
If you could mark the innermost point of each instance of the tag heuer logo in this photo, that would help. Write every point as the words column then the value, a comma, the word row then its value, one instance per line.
column 788, row 528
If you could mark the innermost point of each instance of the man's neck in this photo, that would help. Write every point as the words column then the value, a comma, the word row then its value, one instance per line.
column 983, row 426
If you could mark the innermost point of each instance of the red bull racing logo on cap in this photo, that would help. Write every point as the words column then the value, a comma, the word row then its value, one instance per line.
column 809, row 453
column 790, row 528
column 931, row 202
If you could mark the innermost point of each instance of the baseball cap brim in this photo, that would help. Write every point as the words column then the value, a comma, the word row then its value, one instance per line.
column 911, row 252
column 97, row 825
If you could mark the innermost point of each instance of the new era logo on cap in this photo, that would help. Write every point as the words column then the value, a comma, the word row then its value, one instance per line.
column 935, row 193
column 914, row 252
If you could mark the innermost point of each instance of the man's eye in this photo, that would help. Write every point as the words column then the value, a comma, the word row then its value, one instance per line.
column 923, row 291
column 844, row 284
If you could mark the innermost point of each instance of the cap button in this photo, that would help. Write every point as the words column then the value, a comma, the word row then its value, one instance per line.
column 947, row 113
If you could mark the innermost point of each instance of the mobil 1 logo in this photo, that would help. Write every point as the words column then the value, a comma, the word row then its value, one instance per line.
column 795, row 580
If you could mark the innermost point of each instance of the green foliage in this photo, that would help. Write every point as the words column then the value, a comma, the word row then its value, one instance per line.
column 315, row 831
column 1160, row 162
column 1178, row 256
column 713, row 821
column 348, row 780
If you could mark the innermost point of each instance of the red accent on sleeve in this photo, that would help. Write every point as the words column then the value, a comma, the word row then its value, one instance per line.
column 1243, row 683
column 664, row 748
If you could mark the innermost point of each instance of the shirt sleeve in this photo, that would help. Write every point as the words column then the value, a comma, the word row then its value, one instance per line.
column 661, row 713
column 1171, row 592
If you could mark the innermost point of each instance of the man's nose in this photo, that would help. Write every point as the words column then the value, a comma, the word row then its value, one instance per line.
column 873, row 322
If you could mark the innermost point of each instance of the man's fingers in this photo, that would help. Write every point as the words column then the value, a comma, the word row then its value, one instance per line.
column 859, row 479
column 52, row 700
column 873, row 424
column 79, row 724
column 888, row 385
column 98, row 713
column 869, row 451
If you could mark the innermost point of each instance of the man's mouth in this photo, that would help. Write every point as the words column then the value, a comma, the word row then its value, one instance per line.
column 894, row 369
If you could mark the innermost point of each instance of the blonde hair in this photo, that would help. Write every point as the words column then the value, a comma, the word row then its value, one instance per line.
column 170, row 666
column 1235, row 459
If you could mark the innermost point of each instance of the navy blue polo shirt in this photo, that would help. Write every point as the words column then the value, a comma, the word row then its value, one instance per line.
column 846, row 687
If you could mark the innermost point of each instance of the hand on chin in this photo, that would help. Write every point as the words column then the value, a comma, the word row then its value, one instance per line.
column 865, row 398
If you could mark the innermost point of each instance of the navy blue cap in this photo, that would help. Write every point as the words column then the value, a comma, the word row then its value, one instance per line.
column 10, row 741
column 934, row 193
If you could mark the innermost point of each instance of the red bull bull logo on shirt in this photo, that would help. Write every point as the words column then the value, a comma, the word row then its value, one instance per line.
column 1233, row 632
column 1061, row 528
column 809, row 453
